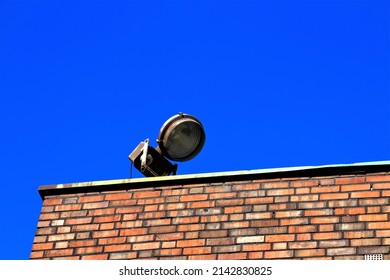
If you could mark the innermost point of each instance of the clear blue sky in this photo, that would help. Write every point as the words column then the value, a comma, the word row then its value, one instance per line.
column 275, row 84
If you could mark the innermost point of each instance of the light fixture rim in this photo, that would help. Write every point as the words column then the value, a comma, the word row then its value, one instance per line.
column 166, row 127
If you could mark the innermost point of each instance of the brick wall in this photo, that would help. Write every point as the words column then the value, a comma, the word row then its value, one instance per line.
column 316, row 217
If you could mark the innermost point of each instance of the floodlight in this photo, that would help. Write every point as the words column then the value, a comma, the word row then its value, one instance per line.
column 181, row 138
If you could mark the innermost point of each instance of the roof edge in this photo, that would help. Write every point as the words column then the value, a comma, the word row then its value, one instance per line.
column 308, row 171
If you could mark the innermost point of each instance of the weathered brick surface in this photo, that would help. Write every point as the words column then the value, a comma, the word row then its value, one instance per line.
column 333, row 217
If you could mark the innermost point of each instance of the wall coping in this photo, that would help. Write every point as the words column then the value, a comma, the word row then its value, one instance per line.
column 215, row 177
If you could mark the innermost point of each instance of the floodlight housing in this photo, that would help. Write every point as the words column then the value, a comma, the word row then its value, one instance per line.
column 181, row 138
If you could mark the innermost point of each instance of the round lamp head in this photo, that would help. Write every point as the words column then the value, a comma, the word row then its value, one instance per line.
column 181, row 137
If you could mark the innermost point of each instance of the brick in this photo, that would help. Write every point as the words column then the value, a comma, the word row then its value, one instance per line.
column 213, row 234
column 322, row 212
column 373, row 201
column 343, row 203
column 214, row 196
column 366, row 242
column 278, row 254
column 265, row 223
column 326, row 227
column 280, row 192
column 350, row 211
column 42, row 246
column 237, row 209
column 111, row 240
column 302, row 228
column 333, row 196
column 281, row 206
column 373, row 209
column 100, row 212
column 95, row 205
column 118, row 203
column 226, row 249
column 201, row 204
column 106, row 226
column 194, row 197
column 281, row 199
column 191, row 243
column 213, row 226
column 350, row 226
column 89, row 250
column 280, row 238
column 383, row 233
column 258, row 216
column 358, row 234
column 82, row 243
column 256, row 247
column 146, row 194
column 272, row 230
column 302, row 245
column 250, row 239
column 259, row 200
column 327, row 235
column 255, row 193
column 299, row 198
column 52, row 201
column 328, row 189
column 302, row 190
column 353, row 188
column 105, row 233
column 146, row 246
column 214, row 219
column 83, row 235
column 130, row 217
column 191, row 227
column 90, row 198
column 118, row 196
column 289, row 214
column 49, row 216
column 117, row 248
column 312, row 205
column 306, row 183
column 232, row 256
column 324, row 220
column 140, row 238
column 246, row 187
column 365, row 194
column 158, row 222
column 230, row 202
column 87, row 227
column 341, row 251
column 217, row 189
column 294, row 221
column 275, row 185
column 168, row 252
column 236, row 217
column 149, row 215
column 67, row 207
column 381, row 186
column 378, row 178
column 350, row 180
column 242, row 232
column 310, row 253
column 79, row 221
column 378, row 225
column 373, row 217
column 333, row 243
column 59, row 252
column 203, row 257
column 186, row 220
column 374, row 250
column 220, row 241
column 95, row 257
column 279, row 246
column 36, row 255
column 196, row 250
column 60, row 237
column 230, row 225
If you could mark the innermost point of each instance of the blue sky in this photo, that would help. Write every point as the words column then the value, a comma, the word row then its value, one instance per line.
column 275, row 84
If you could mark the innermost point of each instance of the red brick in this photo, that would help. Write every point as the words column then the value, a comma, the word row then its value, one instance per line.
column 232, row 256
column 265, row 223
column 278, row 254
column 213, row 234
column 299, row 198
column 237, row 209
column 302, row 229
column 333, row 243
column 131, row 232
column 214, row 196
column 36, row 255
column 359, row 187
column 383, row 233
column 112, row 240
column 170, row 236
column 366, row 242
column 100, row 212
column 350, row 211
column 378, row 225
column 279, row 192
column 42, row 246
column 217, row 189
column 95, row 257
column 201, row 204
column 302, row 245
column 82, row 243
column 197, row 250
column 95, row 205
column 373, row 250
column 327, row 235
column 289, row 214
column 52, row 201
column 214, row 218
column 89, row 250
column 105, row 233
column 367, row 194
column 117, row 248
column 78, row 221
column 195, row 197
column 373, row 201
column 381, row 186
column 373, row 217
column 333, row 196
column 326, row 227
column 49, row 216
column 230, row 225
column 258, row 200
column 59, row 253
column 312, row 205
column 378, row 178
column 329, row 189
column 341, row 251
column 68, row 207
column 146, row 246
column 146, row 194
column 258, row 216
column 60, row 237
column 246, row 187
column 294, row 221
column 162, row 229
column 306, row 183
column 280, row 237
column 87, row 227
column 310, row 253
column 191, row 243
column 274, row 185
column 350, row 180
column 118, row 196
column 321, row 212
column 230, row 202
column 90, row 198
column 324, row 220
